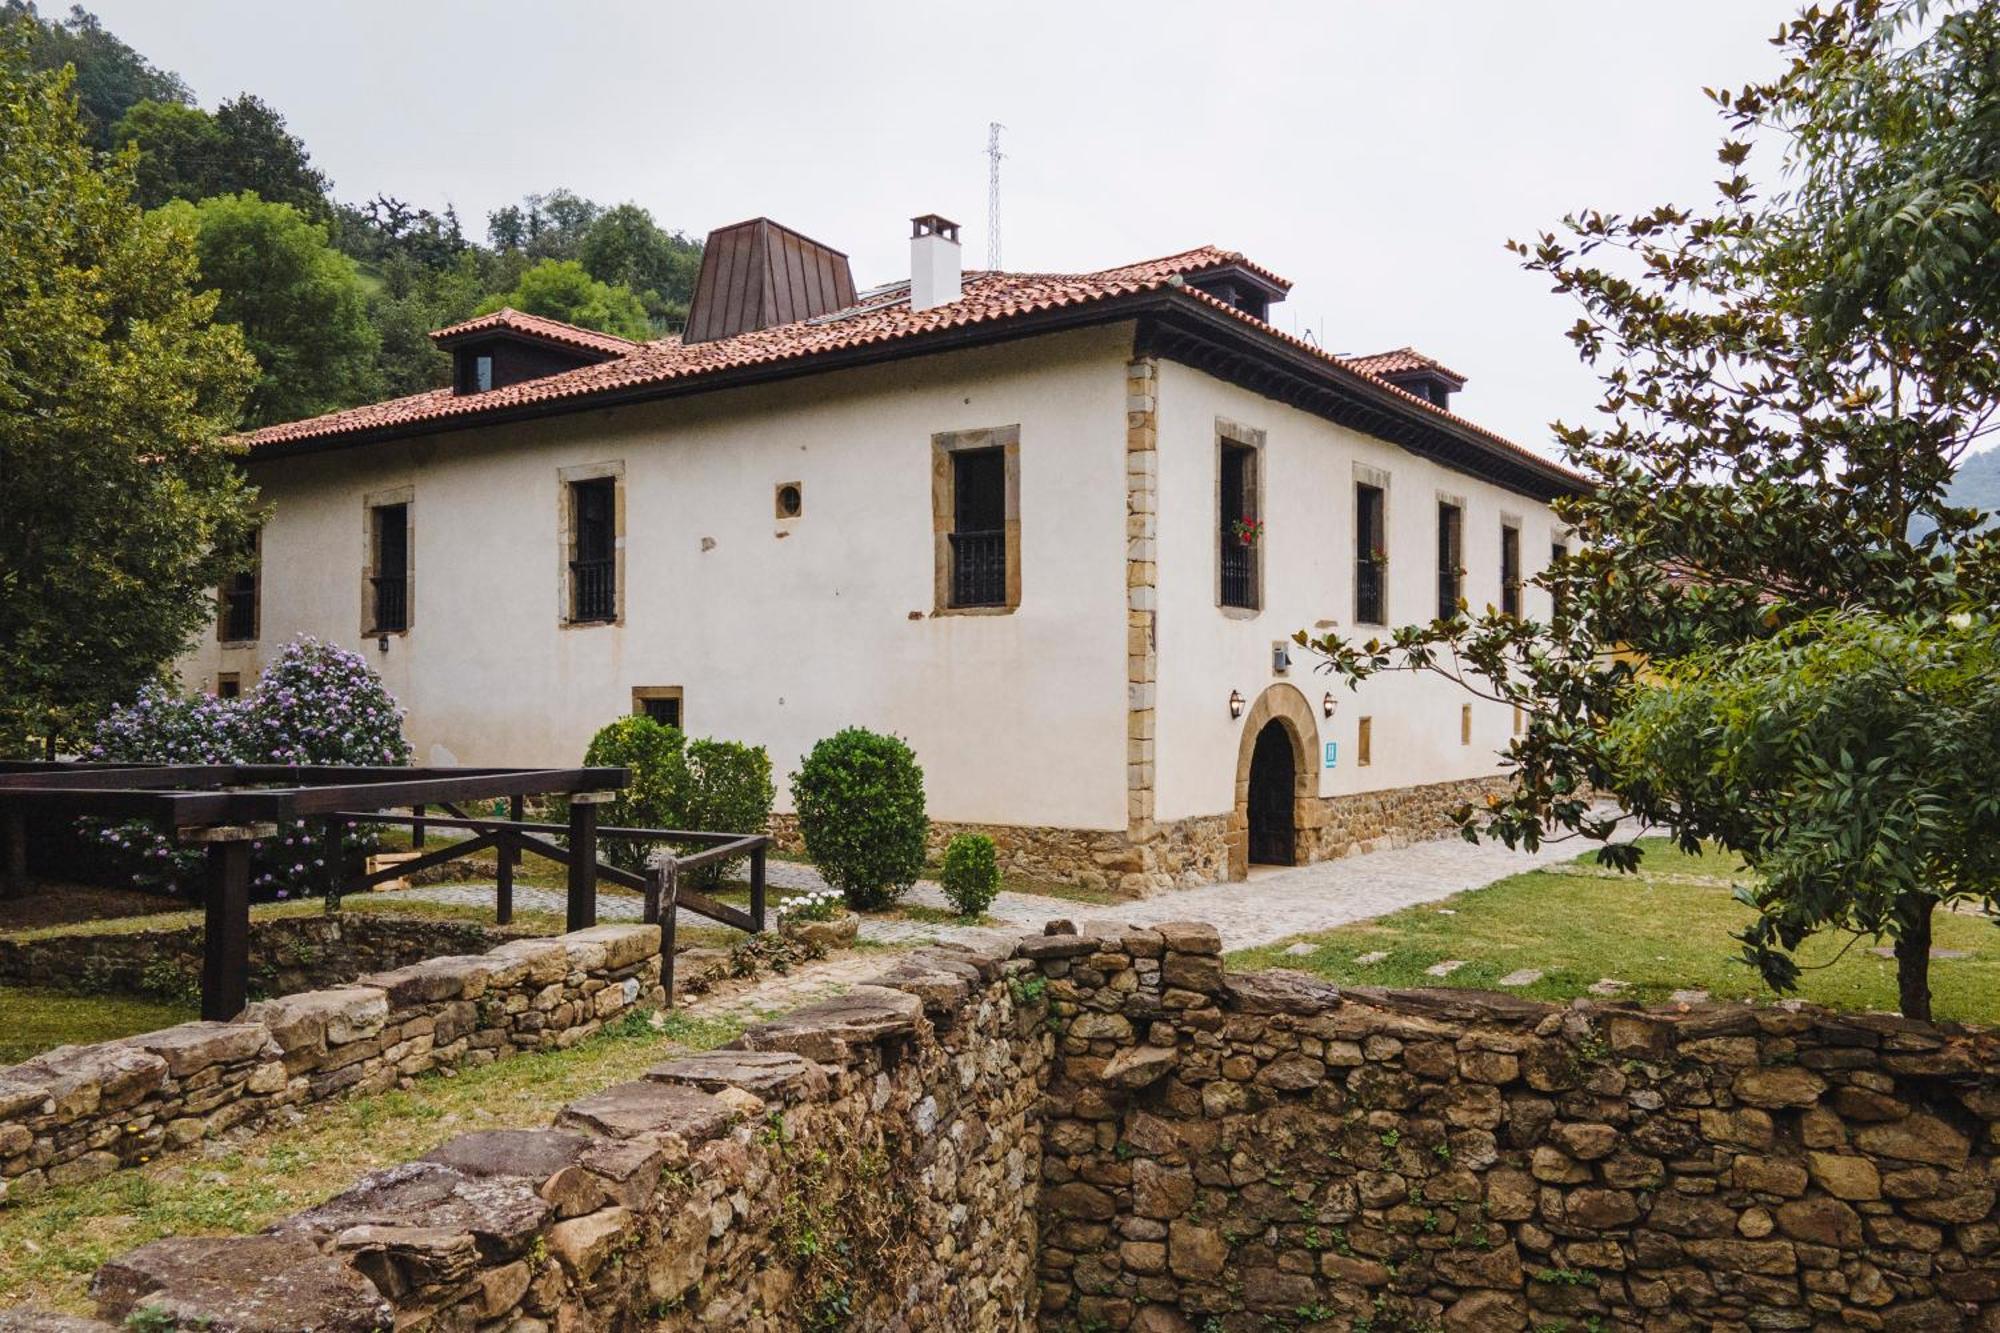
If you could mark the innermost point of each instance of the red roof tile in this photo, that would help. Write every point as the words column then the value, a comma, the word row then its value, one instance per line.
column 1401, row 361
column 879, row 317
column 536, row 326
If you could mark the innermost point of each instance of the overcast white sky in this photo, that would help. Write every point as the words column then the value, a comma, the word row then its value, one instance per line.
column 1377, row 154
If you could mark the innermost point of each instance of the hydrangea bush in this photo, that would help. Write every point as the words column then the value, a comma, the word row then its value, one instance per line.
column 316, row 703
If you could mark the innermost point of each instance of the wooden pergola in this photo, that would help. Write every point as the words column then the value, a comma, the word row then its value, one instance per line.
column 226, row 807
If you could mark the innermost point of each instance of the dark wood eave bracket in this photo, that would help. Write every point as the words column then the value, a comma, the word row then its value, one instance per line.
column 1169, row 324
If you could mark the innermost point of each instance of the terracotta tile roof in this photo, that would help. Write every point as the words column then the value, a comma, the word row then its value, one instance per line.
column 535, row 326
column 879, row 317
column 1401, row 361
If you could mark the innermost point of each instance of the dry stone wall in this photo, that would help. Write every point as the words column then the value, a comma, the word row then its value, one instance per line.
column 287, row 954
column 80, row 1112
column 1103, row 1129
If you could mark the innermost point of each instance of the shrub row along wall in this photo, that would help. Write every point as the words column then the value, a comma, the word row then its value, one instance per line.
column 1104, row 1130
column 79, row 1112
column 286, row 953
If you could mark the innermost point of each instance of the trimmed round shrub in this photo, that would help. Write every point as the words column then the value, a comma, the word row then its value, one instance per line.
column 971, row 874
column 316, row 703
column 655, row 756
column 729, row 791
column 860, row 803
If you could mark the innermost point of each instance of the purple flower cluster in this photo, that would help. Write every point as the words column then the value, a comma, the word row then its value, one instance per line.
column 316, row 704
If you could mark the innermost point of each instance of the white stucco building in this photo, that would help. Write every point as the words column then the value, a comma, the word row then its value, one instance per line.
column 1001, row 515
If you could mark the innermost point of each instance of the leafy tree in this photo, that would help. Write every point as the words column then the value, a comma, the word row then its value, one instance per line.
column 1789, row 382
column 110, row 76
column 625, row 247
column 123, row 501
column 656, row 792
column 562, row 289
column 300, row 303
column 1852, row 757
column 187, row 153
column 543, row 226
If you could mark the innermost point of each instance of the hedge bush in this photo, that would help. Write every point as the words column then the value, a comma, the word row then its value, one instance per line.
column 860, row 803
column 707, row 786
column 655, row 756
column 316, row 703
column 971, row 874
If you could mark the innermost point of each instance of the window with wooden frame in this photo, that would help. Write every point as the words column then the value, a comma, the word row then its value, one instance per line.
column 975, row 518
column 229, row 685
column 593, row 553
column 1371, row 554
column 240, row 598
column 1239, row 517
column 662, row 703
column 389, row 568
column 1558, row 552
column 1510, row 568
column 1450, row 558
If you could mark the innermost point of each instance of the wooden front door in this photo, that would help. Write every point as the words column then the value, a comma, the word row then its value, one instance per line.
column 1273, row 774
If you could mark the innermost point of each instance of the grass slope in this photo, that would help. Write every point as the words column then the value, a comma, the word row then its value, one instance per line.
column 1665, row 929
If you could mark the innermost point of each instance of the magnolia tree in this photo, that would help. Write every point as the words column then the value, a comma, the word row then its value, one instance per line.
column 1790, row 379
column 315, row 704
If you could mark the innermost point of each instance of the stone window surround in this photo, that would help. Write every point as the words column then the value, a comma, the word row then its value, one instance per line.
column 1365, row 475
column 566, row 545
column 370, row 502
column 256, row 600
column 944, row 513
column 641, row 693
column 1229, row 432
column 1511, row 522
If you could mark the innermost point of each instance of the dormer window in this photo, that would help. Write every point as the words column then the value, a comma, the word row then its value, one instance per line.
column 508, row 347
column 1236, row 285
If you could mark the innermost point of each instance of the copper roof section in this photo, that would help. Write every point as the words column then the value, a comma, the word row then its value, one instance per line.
column 509, row 320
column 758, row 274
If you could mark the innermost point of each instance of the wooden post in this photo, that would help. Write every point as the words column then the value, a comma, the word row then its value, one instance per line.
column 663, row 906
column 517, row 811
column 503, row 897
column 417, row 828
column 225, row 940
column 757, row 890
column 15, row 882
column 583, row 859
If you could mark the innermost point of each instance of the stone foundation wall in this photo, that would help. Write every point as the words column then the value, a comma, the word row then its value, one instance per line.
column 1153, row 858
column 1104, row 1130
column 79, row 1112
column 287, row 954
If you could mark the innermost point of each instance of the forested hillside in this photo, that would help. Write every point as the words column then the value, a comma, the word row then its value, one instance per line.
column 336, row 290
column 1977, row 486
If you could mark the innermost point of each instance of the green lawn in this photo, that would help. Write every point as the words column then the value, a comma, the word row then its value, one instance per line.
column 40, row 1019
column 1665, row 929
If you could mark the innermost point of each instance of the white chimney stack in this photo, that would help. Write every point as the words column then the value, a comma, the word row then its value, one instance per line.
column 934, row 262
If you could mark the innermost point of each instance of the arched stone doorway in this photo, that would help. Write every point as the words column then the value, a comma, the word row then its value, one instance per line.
column 1275, row 770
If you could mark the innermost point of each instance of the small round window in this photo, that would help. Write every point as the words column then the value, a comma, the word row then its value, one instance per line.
column 791, row 499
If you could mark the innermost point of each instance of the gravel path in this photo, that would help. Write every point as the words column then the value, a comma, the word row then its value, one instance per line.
column 1272, row 905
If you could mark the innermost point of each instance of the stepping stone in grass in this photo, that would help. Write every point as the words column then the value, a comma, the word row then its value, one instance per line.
column 1889, row 951
column 1444, row 969
column 1693, row 996
column 1301, row 949
column 1526, row 976
column 1609, row 986
column 1371, row 958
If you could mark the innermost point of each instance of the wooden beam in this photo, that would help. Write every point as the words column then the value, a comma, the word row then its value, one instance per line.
column 225, row 936
column 582, row 865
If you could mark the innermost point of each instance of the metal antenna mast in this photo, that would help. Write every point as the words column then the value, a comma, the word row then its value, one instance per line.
column 993, row 156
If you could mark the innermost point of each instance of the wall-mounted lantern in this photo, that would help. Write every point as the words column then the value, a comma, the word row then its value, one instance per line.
column 1236, row 703
column 1328, row 704
column 1281, row 657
